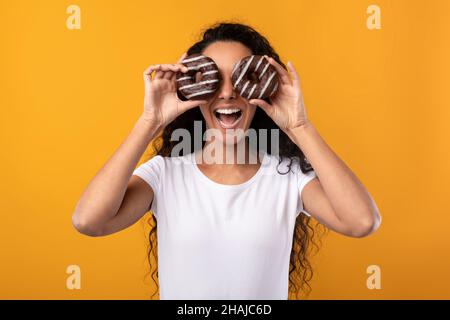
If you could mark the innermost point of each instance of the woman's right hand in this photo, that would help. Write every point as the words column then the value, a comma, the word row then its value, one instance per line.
column 161, row 103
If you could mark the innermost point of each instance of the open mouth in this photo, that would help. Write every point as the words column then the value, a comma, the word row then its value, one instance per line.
column 228, row 118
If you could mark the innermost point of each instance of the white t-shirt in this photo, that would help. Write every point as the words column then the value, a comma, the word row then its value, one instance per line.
column 219, row 241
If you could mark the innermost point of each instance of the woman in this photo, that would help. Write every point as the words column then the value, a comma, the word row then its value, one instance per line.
column 227, row 229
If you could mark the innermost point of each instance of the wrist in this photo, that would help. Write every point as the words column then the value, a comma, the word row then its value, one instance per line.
column 301, row 127
column 149, row 126
column 298, row 133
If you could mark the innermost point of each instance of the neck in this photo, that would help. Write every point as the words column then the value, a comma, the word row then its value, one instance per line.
column 234, row 154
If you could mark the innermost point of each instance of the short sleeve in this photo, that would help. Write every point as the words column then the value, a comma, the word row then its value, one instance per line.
column 152, row 172
column 302, row 181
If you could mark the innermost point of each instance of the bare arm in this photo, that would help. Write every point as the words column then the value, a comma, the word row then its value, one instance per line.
column 102, row 198
column 115, row 199
column 337, row 199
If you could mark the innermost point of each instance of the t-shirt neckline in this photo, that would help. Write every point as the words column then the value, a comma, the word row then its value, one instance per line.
column 229, row 186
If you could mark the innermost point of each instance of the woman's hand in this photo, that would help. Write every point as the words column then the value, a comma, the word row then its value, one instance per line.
column 161, row 103
column 287, row 109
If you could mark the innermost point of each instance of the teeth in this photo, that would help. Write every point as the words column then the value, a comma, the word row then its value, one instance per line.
column 227, row 111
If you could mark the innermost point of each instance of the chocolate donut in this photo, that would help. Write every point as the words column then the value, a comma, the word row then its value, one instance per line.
column 209, row 80
column 253, row 77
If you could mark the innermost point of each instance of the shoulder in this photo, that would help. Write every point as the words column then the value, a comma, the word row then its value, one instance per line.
column 169, row 161
column 159, row 167
column 282, row 165
column 288, row 167
column 164, row 163
column 155, row 162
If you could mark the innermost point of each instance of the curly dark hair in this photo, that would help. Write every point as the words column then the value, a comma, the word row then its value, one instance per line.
column 306, row 230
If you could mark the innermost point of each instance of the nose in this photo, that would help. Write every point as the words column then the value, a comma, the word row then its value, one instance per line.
column 226, row 90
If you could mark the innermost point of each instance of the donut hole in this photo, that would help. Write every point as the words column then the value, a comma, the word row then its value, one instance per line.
column 252, row 76
column 198, row 76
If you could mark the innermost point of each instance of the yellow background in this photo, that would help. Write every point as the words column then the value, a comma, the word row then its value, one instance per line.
column 69, row 98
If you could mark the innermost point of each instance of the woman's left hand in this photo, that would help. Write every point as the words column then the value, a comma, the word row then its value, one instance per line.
column 287, row 108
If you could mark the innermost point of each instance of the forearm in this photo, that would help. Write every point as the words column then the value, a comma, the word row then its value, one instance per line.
column 349, row 198
column 103, row 196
